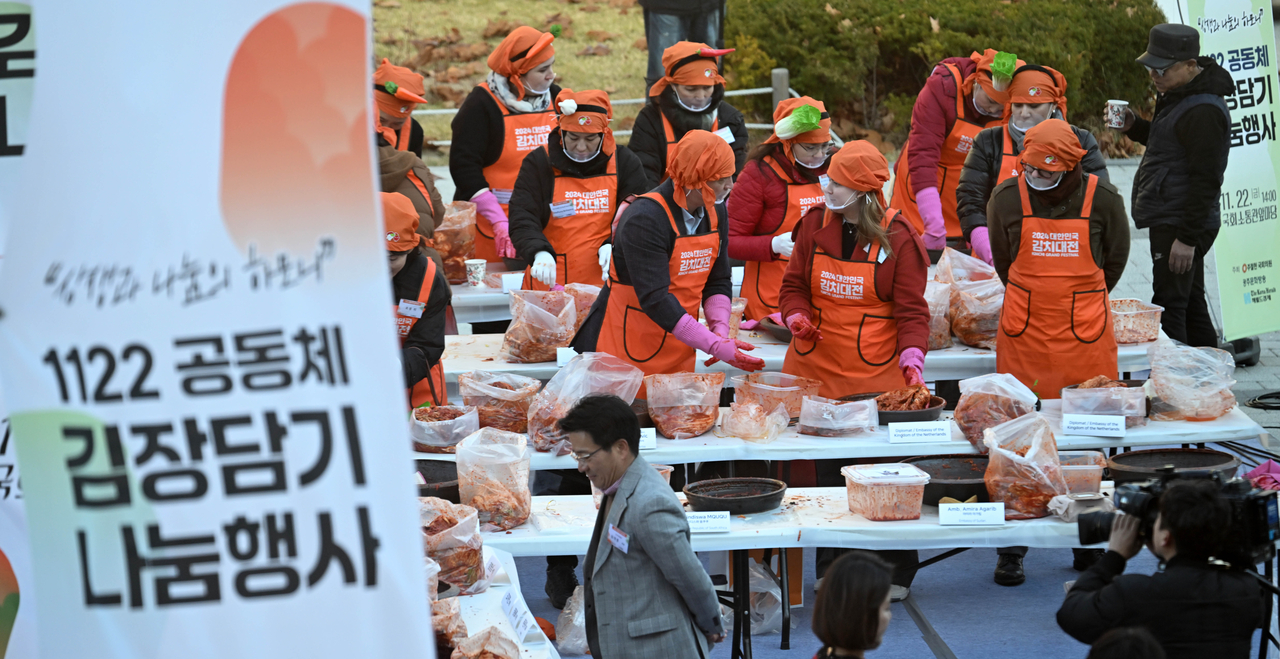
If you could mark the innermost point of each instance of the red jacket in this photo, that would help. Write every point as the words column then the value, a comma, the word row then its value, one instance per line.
column 900, row 278
column 933, row 117
column 757, row 207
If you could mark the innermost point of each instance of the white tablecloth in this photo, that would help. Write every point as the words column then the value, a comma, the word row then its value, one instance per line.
column 809, row 517
column 485, row 609
column 1233, row 426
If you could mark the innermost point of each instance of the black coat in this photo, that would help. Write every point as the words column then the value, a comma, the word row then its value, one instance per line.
column 425, row 344
column 1195, row 610
column 981, row 173
column 649, row 140
column 530, row 208
column 478, row 136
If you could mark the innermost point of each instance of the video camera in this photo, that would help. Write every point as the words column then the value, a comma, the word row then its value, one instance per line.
column 1251, row 535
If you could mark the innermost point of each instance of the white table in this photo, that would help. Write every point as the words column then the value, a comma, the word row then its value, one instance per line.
column 484, row 610
column 1233, row 426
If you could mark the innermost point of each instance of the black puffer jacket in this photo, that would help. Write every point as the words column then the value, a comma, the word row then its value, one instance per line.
column 649, row 141
column 981, row 173
column 478, row 137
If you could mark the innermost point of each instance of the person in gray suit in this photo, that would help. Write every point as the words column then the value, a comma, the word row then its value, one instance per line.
column 645, row 592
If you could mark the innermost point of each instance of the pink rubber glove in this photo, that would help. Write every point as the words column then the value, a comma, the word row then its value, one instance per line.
column 752, row 324
column 802, row 328
column 911, row 361
column 488, row 206
column 935, row 227
column 691, row 333
column 718, row 308
column 980, row 241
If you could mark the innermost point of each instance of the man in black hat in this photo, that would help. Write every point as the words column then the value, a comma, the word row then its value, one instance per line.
column 1175, row 192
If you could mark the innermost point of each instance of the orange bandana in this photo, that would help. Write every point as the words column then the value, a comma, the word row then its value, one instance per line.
column 401, row 220
column 586, row 112
column 1037, row 84
column 982, row 76
column 1053, row 146
column 397, row 90
column 690, row 64
column 860, row 166
column 699, row 158
column 524, row 50
column 818, row 135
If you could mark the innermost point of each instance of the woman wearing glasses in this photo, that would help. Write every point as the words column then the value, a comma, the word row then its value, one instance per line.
column 777, row 187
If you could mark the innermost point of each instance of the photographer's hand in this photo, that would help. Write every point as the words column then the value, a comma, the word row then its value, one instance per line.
column 1124, row 536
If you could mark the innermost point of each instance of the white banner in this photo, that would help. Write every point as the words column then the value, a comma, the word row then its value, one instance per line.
column 17, row 82
column 197, row 340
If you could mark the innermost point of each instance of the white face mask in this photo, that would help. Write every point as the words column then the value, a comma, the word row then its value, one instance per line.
column 831, row 203
column 820, row 162
column 1021, row 129
column 721, row 198
column 699, row 105
column 588, row 158
column 537, row 92
column 1051, row 186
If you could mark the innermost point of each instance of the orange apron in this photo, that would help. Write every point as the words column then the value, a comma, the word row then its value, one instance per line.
column 1010, row 160
column 422, row 393
column 629, row 334
column 1071, row 339
column 950, row 162
column 581, row 221
column 672, row 141
column 858, row 352
column 402, row 137
column 763, row 278
column 523, row 133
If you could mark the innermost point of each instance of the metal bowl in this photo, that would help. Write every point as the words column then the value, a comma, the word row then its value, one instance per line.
column 739, row 496
column 958, row 476
column 1144, row 465
column 931, row 413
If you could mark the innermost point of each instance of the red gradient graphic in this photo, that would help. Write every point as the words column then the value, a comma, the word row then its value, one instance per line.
column 295, row 139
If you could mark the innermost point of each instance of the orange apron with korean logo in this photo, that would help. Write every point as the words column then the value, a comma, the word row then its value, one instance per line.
column 588, row 205
column 858, row 352
column 1010, row 161
column 950, row 162
column 629, row 334
column 763, row 278
column 522, row 133
column 1055, row 328
column 431, row 388
column 672, row 141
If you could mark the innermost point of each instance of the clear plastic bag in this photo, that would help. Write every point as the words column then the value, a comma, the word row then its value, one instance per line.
column 1023, row 471
column 488, row 644
column 769, row 388
column 588, row 373
column 541, row 321
column 750, row 422
column 493, row 478
column 501, row 399
column 455, row 239
column 990, row 400
column 451, row 536
column 442, row 436
column 1192, row 384
column 446, row 620
column 1128, row 402
column 433, row 578
column 954, row 266
column 975, row 312
column 684, row 405
column 766, row 601
column 571, row 626
column 824, row 417
column 938, row 295
column 584, row 295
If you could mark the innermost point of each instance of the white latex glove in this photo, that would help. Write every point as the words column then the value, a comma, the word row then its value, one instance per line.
column 606, row 255
column 782, row 245
column 544, row 268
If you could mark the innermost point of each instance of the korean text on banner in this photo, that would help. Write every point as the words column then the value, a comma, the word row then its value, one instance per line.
column 1240, row 36
column 17, row 81
column 197, row 344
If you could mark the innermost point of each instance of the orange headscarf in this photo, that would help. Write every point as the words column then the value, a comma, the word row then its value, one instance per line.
column 1037, row 84
column 818, row 135
column 982, row 76
column 586, row 112
column 860, row 166
column 397, row 89
column 697, row 159
column 1052, row 145
column 524, row 50
column 401, row 220
column 690, row 64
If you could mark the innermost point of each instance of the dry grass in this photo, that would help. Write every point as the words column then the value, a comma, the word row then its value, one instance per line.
column 421, row 34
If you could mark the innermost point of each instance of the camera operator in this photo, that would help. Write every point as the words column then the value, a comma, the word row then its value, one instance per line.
column 1193, row 607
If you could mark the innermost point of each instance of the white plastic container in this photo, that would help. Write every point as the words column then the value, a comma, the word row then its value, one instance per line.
column 1082, row 470
column 1135, row 321
column 885, row 492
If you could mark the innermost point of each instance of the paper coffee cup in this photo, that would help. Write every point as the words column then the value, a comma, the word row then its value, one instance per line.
column 476, row 271
column 1116, row 111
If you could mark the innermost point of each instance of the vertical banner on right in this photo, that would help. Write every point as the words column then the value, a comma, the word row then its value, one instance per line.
column 1240, row 36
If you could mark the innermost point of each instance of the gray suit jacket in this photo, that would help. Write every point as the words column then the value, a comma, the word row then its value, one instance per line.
column 656, row 599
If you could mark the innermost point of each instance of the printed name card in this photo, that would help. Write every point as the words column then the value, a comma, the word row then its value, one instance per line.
column 563, row 355
column 971, row 514
column 527, row 631
column 1094, row 425
column 919, row 431
column 648, row 439
column 711, row 521
column 512, row 281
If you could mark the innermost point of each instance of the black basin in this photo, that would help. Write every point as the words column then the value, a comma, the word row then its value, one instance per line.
column 442, row 480
column 739, row 496
column 931, row 413
column 958, row 476
column 1143, row 465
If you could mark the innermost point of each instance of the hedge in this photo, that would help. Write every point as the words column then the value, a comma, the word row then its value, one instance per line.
column 867, row 59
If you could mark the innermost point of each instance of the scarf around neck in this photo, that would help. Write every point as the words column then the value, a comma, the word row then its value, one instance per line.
column 531, row 103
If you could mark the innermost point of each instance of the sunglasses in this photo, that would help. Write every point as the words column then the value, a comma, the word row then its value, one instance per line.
column 1042, row 173
column 1159, row 72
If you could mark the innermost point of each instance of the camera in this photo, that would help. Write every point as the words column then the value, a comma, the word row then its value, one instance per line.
column 1251, row 534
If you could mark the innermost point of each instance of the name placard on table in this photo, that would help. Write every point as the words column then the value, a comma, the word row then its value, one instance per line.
column 527, row 631
column 971, row 514
column 648, row 439
column 712, row 521
column 916, row 432
column 1093, row 425
column 513, row 281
